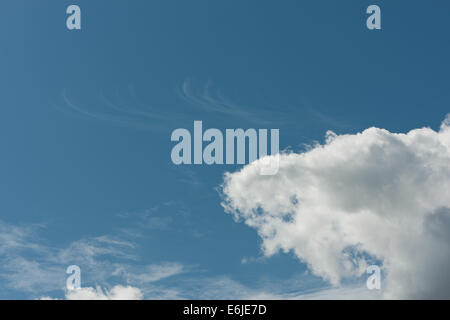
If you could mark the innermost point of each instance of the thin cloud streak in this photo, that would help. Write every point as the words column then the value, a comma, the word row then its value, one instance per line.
column 209, row 99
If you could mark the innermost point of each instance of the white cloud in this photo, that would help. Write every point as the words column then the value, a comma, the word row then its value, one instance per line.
column 208, row 98
column 30, row 275
column 27, row 264
column 343, row 293
column 116, row 293
column 372, row 195
column 156, row 272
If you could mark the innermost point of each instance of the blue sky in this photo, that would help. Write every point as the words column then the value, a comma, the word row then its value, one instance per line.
column 86, row 118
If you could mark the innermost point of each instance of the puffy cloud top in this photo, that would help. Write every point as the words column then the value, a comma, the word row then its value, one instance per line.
column 116, row 293
column 358, row 197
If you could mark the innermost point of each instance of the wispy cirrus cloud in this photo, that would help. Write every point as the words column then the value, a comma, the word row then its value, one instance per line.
column 29, row 265
column 111, row 270
column 208, row 98
column 125, row 110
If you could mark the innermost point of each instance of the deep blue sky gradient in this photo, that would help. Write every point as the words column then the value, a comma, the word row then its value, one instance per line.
column 304, row 67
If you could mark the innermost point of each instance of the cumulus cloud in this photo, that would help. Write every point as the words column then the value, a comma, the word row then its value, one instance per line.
column 116, row 293
column 358, row 198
